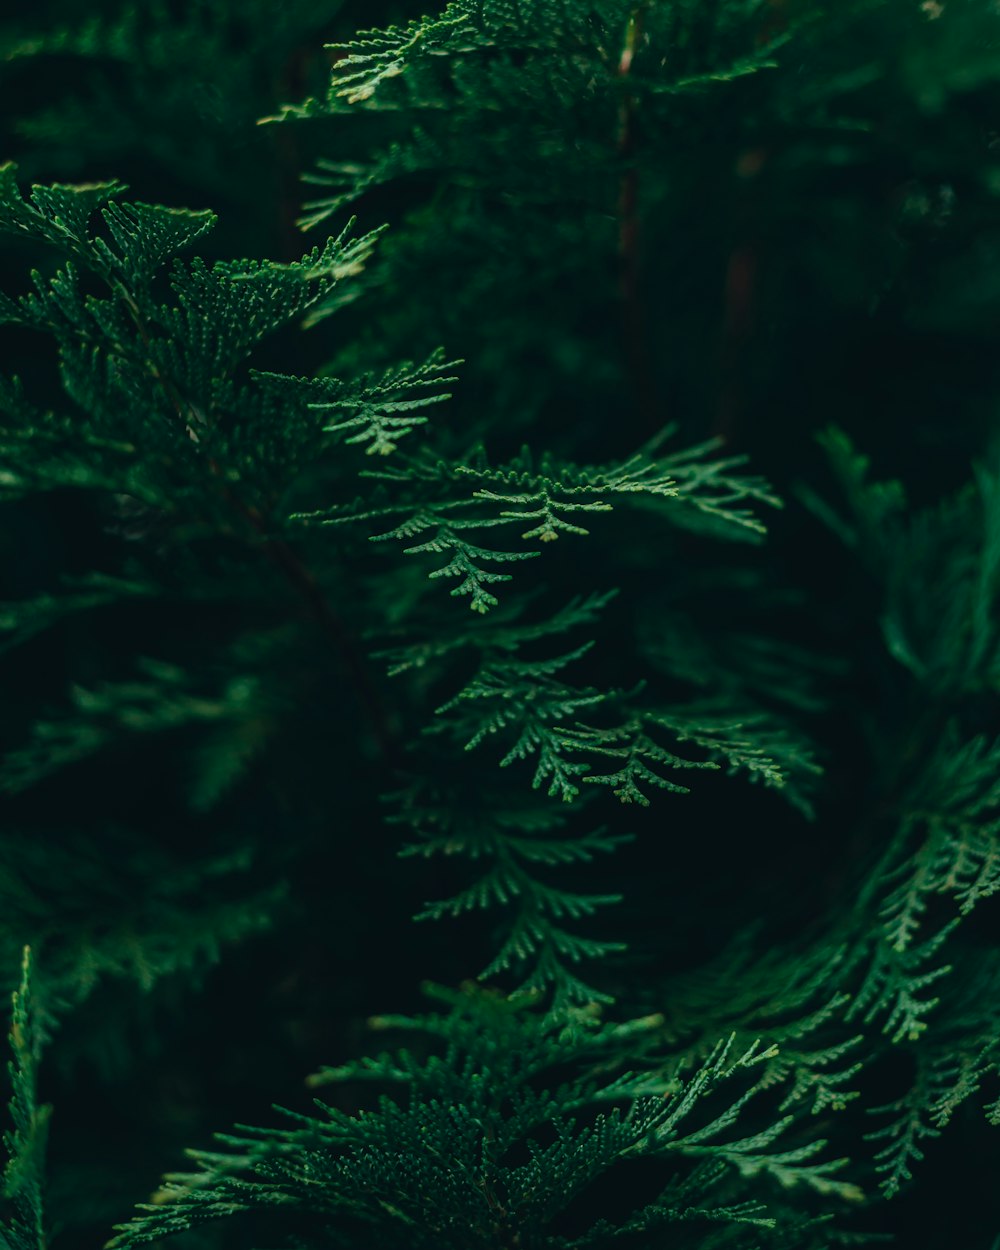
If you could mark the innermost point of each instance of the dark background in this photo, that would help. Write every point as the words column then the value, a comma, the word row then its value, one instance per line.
column 804, row 292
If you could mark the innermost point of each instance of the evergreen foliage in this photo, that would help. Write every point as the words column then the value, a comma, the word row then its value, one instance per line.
column 599, row 566
column 25, row 1142
column 440, row 1164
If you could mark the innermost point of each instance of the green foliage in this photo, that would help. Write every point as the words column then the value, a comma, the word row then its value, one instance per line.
column 515, row 850
column 158, row 423
column 448, row 499
column 124, row 348
column 25, row 1141
column 384, row 409
column 495, row 570
column 512, row 1119
column 175, row 87
column 149, row 917
column 181, row 363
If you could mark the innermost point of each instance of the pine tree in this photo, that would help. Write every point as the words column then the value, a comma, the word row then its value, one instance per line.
column 563, row 586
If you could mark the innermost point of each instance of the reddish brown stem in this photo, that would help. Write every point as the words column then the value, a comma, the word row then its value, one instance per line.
column 635, row 334
column 284, row 557
column 742, row 274
column 739, row 315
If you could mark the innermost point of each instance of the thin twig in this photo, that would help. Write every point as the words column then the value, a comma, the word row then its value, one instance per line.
column 636, row 344
column 298, row 574
column 741, row 290
column 739, row 310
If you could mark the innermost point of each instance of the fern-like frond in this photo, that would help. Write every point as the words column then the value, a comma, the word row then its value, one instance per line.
column 472, row 1114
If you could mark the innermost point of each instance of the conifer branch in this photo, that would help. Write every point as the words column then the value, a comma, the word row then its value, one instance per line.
column 282, row 555
column 673, row 1031
column 145, row 241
